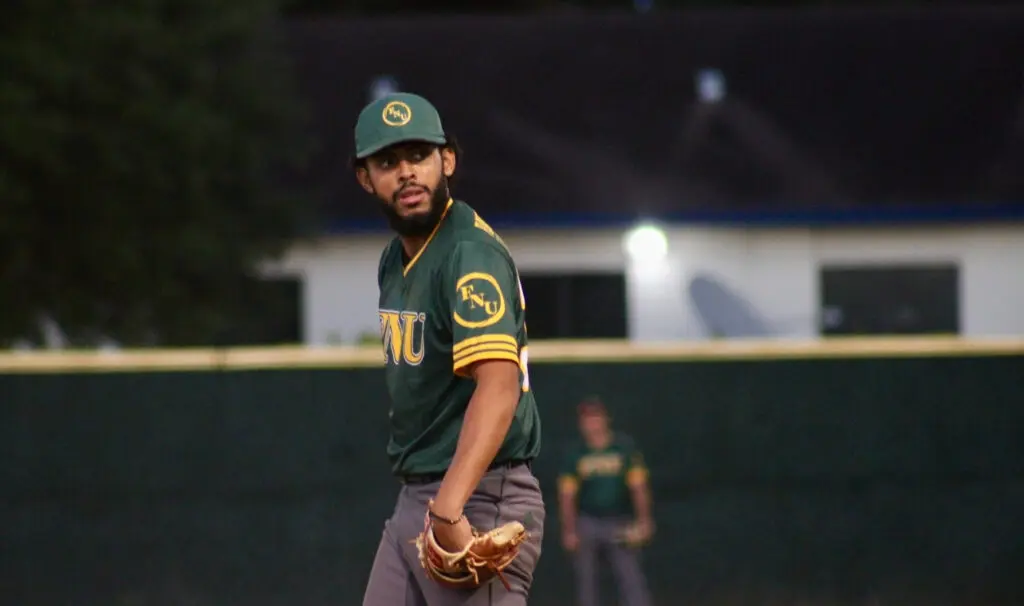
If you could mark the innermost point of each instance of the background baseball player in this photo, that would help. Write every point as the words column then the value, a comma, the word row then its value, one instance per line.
column 464, row 424
column 605, row 505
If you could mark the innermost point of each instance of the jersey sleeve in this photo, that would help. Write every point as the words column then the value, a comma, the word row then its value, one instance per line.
column 483, row 295
column 636, row 472
column 568, row 476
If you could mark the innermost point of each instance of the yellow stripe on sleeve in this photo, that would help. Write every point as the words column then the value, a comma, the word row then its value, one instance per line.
column 636, row 476
column 483, row 347
column 490, row 339
column 460, row 364
column 472, row 351
column 568, row 484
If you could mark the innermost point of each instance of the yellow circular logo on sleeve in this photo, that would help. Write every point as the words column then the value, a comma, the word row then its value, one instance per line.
column 479, row 302
column 396, row 113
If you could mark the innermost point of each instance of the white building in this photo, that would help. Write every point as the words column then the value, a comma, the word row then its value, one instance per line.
column 773, row 273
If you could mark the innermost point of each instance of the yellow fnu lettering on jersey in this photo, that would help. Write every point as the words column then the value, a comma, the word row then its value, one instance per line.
column 402, row 334
column 605, row 464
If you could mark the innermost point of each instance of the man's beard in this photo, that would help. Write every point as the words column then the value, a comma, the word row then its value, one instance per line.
column 418, row 226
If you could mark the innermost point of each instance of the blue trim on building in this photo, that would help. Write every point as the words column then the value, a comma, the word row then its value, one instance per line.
column 859, row 217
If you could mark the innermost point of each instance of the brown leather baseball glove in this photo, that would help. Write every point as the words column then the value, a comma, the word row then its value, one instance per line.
column 486, row 556
column 633, row 535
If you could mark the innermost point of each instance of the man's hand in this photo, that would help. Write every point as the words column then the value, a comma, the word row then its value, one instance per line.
column 644, row 529
column 570, row 540
column 453, row 537
column 472, row 561
column 636, row 534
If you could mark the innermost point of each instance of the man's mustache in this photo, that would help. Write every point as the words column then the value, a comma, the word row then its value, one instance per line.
column 408, row 187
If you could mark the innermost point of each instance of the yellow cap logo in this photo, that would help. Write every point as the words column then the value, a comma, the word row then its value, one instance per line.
column 396, row 113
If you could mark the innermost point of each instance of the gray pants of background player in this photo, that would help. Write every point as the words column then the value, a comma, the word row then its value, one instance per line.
column 600, row 535
column 504, row 495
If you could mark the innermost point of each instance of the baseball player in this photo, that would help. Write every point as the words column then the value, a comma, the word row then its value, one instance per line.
column 467, row 526
column 605, row 505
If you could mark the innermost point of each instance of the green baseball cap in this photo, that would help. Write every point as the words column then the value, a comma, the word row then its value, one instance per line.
column 396, row 118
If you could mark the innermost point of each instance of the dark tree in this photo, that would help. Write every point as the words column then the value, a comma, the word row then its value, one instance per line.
column 139, row 146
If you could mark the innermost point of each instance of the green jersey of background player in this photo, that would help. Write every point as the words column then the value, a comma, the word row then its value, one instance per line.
column 605, row 503
column 464, row 424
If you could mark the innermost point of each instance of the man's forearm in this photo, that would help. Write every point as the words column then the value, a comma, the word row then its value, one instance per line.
column 488, row 418
column 567, row 507
column 641, row 501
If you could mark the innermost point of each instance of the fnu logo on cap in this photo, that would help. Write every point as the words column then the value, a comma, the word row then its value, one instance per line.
column 396, row 113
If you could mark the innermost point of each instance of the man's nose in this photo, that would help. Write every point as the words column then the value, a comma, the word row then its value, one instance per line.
column 405, row 170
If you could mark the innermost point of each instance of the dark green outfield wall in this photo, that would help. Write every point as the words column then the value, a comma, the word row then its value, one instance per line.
column 842, row 479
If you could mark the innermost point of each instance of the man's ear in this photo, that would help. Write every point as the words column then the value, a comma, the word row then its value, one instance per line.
column 363, row 176
column 448, row 160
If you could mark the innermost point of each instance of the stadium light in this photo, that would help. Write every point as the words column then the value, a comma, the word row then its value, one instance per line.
column 646, row 242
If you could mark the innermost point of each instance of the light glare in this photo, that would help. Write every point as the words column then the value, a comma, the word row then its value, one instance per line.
column 646, row 242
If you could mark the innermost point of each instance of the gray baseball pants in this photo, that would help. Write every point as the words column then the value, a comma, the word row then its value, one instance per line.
column 505, row 494
column 601, row 534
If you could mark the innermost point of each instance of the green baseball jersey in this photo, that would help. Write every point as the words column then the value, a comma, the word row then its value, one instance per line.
column 457, row 302
column 602, row 477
